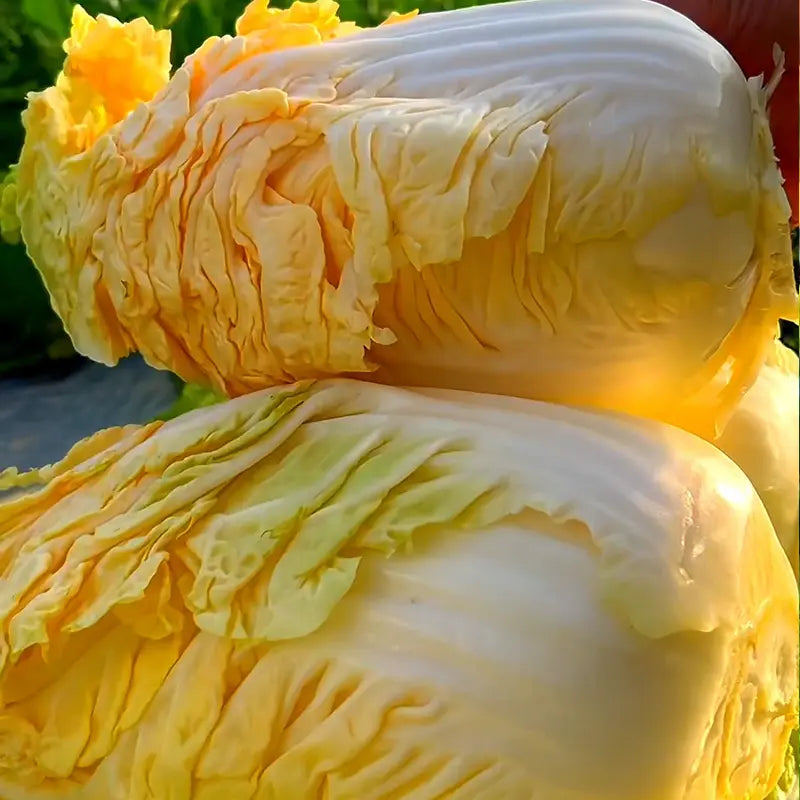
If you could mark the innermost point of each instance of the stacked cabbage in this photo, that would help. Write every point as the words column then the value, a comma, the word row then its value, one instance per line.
column 329, row 587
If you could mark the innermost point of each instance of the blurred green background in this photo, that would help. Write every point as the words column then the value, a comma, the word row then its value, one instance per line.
column 31, row 37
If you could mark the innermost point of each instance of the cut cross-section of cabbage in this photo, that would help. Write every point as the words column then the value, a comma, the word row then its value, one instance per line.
column 345, row 590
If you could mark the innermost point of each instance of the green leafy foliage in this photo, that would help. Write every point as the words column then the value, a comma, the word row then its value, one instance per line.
column 192, row 396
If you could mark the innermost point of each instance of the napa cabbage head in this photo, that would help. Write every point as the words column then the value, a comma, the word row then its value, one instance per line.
column 596, row 219
column 343, row 584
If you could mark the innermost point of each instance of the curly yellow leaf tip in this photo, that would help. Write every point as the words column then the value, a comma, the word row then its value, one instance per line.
column 395, row 17
column 318, row 20
column 111, row 67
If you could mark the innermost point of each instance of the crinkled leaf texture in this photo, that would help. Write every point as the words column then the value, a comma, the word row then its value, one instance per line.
column 344, row 590
column 761, row 437
column 575, row 202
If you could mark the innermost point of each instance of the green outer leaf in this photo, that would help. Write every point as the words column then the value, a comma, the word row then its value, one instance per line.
column 192, row 396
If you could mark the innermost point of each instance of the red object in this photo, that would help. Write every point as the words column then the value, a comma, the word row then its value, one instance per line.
column 748, row 29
